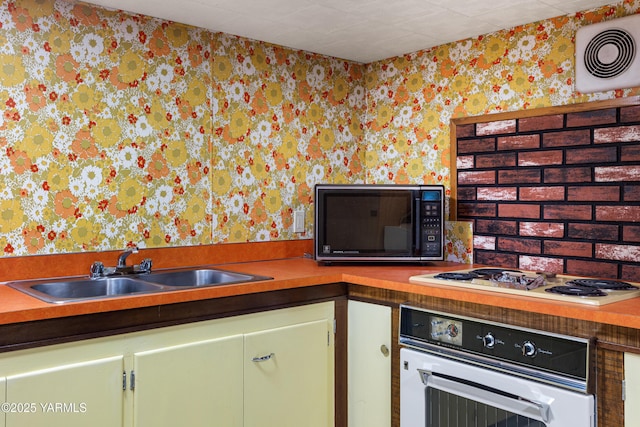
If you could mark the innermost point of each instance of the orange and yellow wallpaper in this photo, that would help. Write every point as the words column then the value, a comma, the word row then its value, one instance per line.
column 124, row 129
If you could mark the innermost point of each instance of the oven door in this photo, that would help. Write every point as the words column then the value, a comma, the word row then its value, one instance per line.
column 437, row 392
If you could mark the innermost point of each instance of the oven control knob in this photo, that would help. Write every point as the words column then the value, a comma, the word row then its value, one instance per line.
column 452, row 330
column 489, row 340
column 529, row 349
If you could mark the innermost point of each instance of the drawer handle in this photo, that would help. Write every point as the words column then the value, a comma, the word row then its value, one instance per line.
column 263, row 358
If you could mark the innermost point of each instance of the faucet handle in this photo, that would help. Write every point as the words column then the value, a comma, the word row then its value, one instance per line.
column 145, row 265
column 96, row 270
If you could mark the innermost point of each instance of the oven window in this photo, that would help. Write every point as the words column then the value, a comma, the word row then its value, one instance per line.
column 449, row 410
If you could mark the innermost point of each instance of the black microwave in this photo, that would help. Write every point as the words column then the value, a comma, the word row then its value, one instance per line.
column 378, row 223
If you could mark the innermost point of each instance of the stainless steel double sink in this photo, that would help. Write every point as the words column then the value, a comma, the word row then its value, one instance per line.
column 82, row 288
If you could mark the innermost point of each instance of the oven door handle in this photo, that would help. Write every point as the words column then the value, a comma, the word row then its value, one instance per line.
column 487, row 395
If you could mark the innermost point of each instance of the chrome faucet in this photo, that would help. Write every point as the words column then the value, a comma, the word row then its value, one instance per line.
column 99, row 270
column 122, row 260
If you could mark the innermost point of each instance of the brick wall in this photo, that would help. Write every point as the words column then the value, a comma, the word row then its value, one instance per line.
column 556, row 193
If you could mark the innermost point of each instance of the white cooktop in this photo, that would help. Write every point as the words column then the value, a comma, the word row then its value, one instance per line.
column 484, row 283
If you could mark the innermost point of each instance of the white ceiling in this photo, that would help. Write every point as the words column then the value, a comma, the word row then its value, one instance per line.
column 358, row 30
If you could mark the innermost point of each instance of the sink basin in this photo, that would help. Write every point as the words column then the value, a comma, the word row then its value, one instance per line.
column 74, row 290
column 78, row 289
column 199, row 277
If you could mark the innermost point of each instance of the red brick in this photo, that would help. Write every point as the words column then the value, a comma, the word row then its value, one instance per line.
column 586, row 193
column 617, row 173
column 630, row 153
column 497, row 193
column 542, row 229
column 528, row 194
column 601, row 184
column 496, row 259
column 516, row 244
column 495, row 160
column 591, row 155
column 564, row 212
column 484, row 242
column 630, row 114
column 541, row 123
column 470, row 210
column 632, row 193
column 631, row 233
column 568, row 249
column 629, row 253
column 518, row 142
column 466, row 146
column 466, row 130
column 476, row 177
column 593, row 231
column 591, row 118
column 504, row 228
column 518, row 210
column 465, row 162
column 617, row 134
column 630, row 273
column 539, row 158
column 467, row 193
column 497, row 127
column 566, row 138
column 618, row 213
column 592, row 269
column 538, row 263
column 519, row 176
column 560, row 175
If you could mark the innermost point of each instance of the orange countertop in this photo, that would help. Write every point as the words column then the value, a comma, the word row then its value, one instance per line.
column 303, row 272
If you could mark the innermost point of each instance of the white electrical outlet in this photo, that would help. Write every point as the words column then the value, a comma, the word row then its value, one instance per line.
column 298, row 221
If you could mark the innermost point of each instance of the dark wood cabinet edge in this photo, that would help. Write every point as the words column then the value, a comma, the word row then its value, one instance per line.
column 24, row 335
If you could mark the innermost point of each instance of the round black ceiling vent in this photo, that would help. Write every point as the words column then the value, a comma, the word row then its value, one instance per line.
column 610, row 53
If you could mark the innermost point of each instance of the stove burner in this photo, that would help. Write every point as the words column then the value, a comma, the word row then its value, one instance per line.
column 613, row 285
column 576, row 291
column 456, row 276
column 492, row 271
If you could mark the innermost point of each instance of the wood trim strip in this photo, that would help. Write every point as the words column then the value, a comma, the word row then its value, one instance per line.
column 547, row 111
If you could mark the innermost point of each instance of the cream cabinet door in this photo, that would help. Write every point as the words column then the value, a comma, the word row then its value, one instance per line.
column 79, row 394
column 289, row 376
column 369, row 365
column 195, row 384
column 632, row 390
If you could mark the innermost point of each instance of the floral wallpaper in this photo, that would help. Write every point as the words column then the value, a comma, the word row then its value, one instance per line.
column 120, row 129
column 282, row 121
column 123, row 129
column 105, row 136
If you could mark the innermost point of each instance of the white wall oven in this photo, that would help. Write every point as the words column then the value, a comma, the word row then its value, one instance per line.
column 461, row 372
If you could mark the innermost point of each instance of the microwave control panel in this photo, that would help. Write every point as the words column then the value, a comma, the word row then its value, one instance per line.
column 431, row 212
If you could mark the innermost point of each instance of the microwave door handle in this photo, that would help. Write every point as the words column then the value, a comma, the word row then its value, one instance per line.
column 520, row 405
column 417, row 227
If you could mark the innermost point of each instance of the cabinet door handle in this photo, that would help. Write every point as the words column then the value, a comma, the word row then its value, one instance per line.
column 263, row 358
